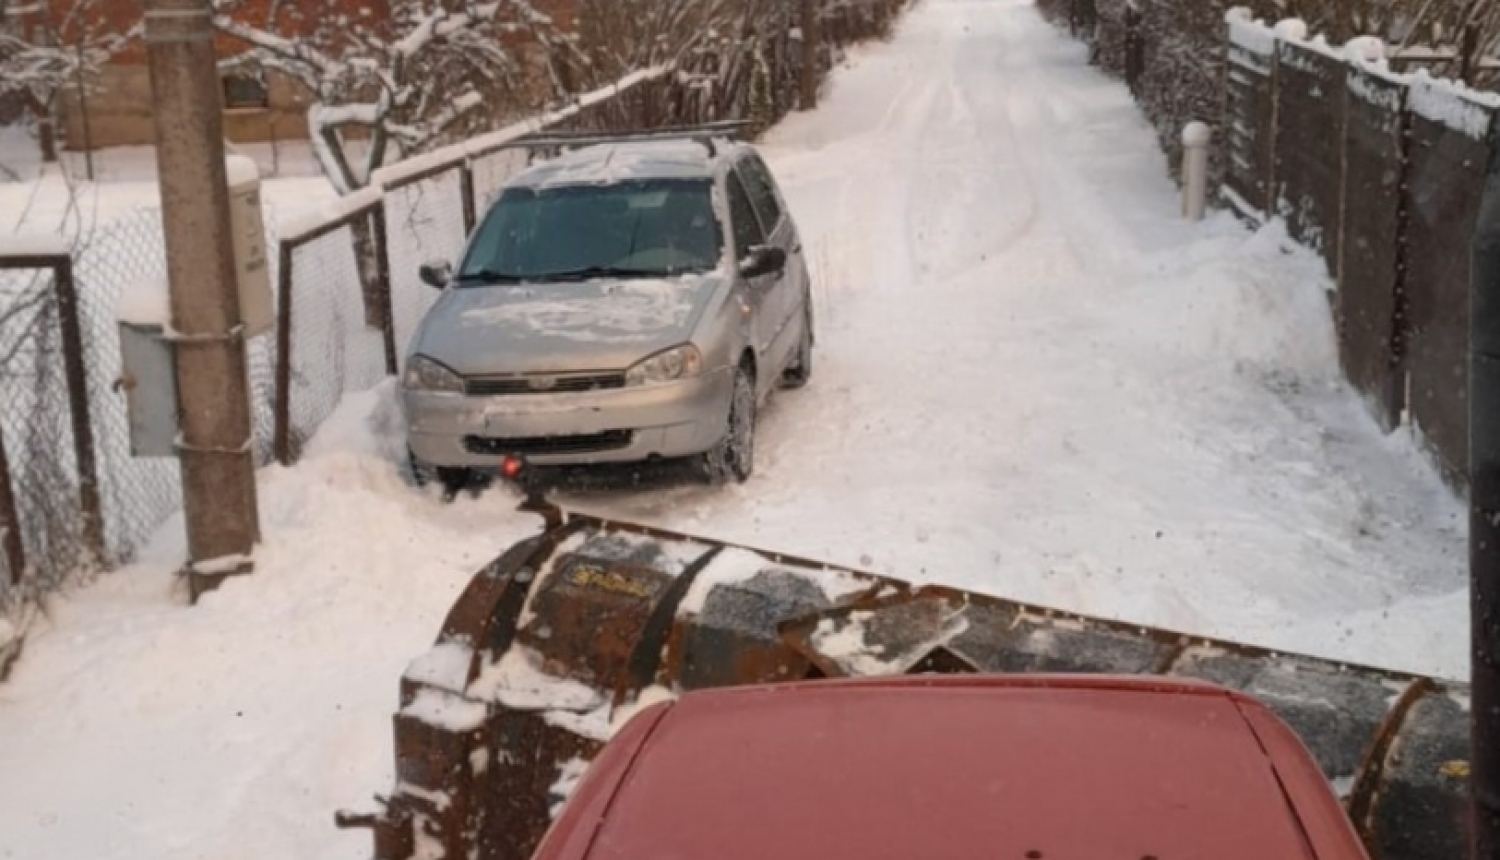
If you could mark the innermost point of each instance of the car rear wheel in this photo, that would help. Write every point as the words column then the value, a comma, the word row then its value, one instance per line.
column 733, row 459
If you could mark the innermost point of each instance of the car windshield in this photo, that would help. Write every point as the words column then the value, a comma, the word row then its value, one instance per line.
column 646, row 228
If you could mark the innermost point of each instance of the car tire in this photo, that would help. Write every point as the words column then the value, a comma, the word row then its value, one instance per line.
column 418, row 473
column 799, row 372
column 733, row 458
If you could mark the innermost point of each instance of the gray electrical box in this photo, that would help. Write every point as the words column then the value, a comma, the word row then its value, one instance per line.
column 148, row 379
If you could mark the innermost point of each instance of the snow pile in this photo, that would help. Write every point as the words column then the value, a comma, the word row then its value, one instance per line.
column 254, row 714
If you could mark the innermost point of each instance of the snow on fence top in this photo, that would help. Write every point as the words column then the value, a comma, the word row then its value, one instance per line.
column 1384, row 97
column 395, row 174
column 1316, row 45
column 1452, row 104
column 299, row 227
column 1250, row 33
column 455, row 154
column 35, row 245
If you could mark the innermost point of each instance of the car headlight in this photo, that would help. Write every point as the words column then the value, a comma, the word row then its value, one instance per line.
column 677, row 363
column 424, row 374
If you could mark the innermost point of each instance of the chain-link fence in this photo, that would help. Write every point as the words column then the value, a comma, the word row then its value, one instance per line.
column 40, row 529
column 425, row 222
column 329, row 345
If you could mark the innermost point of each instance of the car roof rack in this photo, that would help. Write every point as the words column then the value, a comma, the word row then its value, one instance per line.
column 703, row 134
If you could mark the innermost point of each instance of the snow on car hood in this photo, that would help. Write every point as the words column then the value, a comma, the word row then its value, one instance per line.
column 552, row 328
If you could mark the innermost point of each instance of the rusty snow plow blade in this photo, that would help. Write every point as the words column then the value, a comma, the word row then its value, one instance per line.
column 559, row 640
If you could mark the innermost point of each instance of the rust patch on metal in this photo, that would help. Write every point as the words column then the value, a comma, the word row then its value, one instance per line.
column 434, row 772
column 594, row 612
column 646, row 656
column 513, row 795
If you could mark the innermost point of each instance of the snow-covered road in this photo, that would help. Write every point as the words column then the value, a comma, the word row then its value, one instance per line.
column 1034, row 380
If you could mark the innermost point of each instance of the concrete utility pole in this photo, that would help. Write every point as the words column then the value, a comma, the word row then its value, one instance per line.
column 215, row 441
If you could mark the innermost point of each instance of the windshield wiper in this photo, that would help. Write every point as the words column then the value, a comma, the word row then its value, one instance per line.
column 590, row 272
column 490, row 277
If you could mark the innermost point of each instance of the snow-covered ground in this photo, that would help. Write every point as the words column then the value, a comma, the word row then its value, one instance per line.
column 1033, row 380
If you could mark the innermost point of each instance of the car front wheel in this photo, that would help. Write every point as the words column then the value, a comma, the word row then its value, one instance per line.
column 733, row 459
column 800, row 370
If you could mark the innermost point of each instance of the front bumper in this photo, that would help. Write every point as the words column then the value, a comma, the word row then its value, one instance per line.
column 677, row 419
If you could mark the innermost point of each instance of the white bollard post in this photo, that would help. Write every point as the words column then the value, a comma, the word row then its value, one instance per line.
column 1195, row 140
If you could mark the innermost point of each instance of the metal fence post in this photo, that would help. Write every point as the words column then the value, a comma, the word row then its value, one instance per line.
column 1484, row 514
column 78, row 406
column 10, row 521
column 382, row 251
column 466, row 190
column 1134, row 51
column 810, row 45
column 282, row 441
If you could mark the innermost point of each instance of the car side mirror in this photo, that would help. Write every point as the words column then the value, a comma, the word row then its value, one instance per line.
column 764, row 260
column 436, row 275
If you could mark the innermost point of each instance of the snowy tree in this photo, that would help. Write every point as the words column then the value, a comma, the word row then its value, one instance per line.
column 402, row 82
column 713, row 43
column 48, row 47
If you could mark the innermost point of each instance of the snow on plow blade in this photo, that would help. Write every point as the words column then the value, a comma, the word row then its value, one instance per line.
column 557, row 642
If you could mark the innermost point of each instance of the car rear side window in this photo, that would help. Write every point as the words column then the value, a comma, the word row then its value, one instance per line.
column 762, row 191
column 747, row 230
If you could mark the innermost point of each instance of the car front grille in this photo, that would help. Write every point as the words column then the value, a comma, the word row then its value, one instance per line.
column 539, row 383
column 612, row 440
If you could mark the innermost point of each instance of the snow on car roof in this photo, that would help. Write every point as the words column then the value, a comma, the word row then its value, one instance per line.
column 607, row 163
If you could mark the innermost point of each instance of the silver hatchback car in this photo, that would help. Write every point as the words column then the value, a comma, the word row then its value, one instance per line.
column 624, row 302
